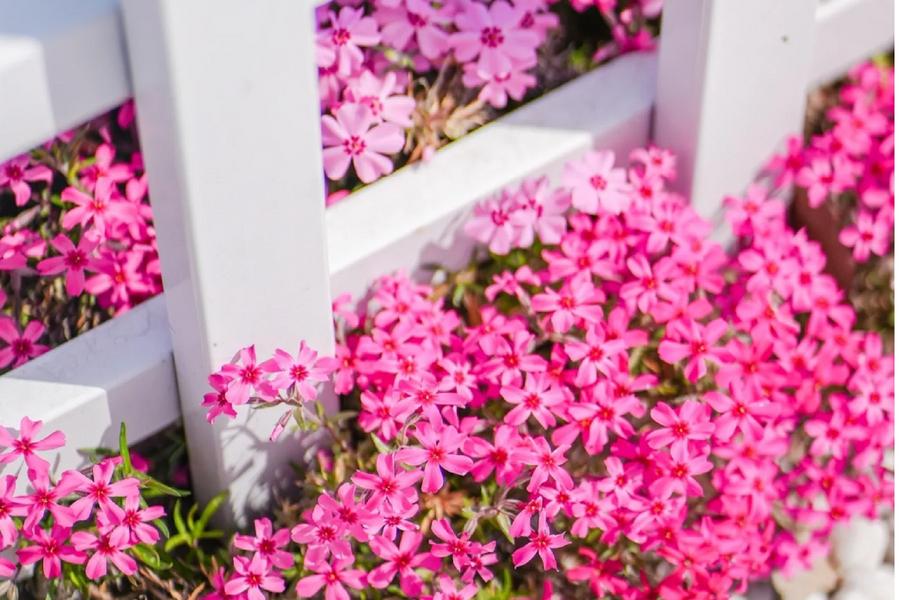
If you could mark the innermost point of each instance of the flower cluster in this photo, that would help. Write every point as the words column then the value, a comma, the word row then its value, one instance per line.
column 81, row 214
column 851, row 164
column 608, row 402
column 76, row 526
column 375, row 56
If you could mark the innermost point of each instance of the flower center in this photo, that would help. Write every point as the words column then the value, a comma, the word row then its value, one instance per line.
column 354, row 145
column 491, row 37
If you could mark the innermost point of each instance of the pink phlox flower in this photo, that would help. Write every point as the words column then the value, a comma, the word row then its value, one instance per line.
column 400, row 560
column 380, row 97
column 21, row 346
column 536, row 397
column 26, row 444
column 542, row 543
column 104, row 207
column 356, row 517
column 578, row 300
column 438, row 451
column 301, row 373
column 349, row 136
column 253, row 577
column 595, row 354
column 16, row 174
column 106, row 547
column 267, row 543
column 333, row 577
column 52, row 548
column 493, row 35
column 679, row 429
column 596, row 185
column 324, row 533
column 74, row 261
column 547, row 464
column 390, row 484
column 350, row 32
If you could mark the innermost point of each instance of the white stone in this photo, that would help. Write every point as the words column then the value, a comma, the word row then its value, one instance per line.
column 876, row 584
column 860, row 544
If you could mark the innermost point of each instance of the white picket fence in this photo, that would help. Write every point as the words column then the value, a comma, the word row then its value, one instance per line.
column 229, row 124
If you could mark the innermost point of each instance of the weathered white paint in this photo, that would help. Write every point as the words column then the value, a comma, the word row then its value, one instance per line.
column 229, row 120
column 847, row 32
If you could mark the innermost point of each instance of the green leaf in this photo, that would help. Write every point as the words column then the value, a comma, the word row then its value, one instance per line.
column 380, row 445
column 503, row 524
column 182, row 539
column 154, row 488
column 123, row 450
column 208, row 512
column 179, row 520
column 150, row 557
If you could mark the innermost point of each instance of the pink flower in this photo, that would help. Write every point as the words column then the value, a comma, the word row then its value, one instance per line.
column 217, row 400
column 252, row 576
column 691, row 422
column 493, row 223
column 348, row 136
column 380, row 97
column 494, row 35
column 50, row 547
column 504, row 456
column 535, row 398
column 548, row 465
column 26, row 445
column 867, row 235
column 350, row 32
column 73, row 261
column 414, row 20
column 23, row 346
column 9, row 507
column 824, row 177
column 16, row 174
column 402, row 560
column 324, row 533
column 699, row 345
column 456, row 547
column 497, row 88
column 577, row 300
column 103, row 208
column 107, row 548
column 267, row 544
column 438, row 452
column 389, row 485
column 333, row 577
column 133, row 519
column 246, row 378
column 302, row 373
column 596, row 353
column 542, row 543
column 449, row 591
column 596, row 184
column 354, row 515
column 99, row 490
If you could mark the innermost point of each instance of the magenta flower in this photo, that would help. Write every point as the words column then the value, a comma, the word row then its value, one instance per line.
column 596, row 185
column 548, row 465
column 349, row 33
column 333, row 577
column 542, row 543
column 23, row 346
column 699, row 345
column 595, row 353
column 267, row 544
column 107, row 548
column 867, row 235
column 324, row 533
column 246, row 378
column 577, row 300
column 103, row 208
column 381, row 98
column 494, row 35
column 538, row 395
column 438, row 452
column 217, row 400
column 132, row 519
column 415, row 21
column 354, row 515
column 449, row 591
column 51, row 548
column 253, row 577
column 505, row 457
column 100, row 489
column 302, row 373
column 348, row 136
column 74, row 261
column 9, row 507
column 16, row 174
column 691, row 422
column 26, row 445
column 400, row 559
column 391, row 485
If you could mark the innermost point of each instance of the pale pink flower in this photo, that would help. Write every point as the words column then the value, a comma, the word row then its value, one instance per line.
column 595, row 184
column 348, row 136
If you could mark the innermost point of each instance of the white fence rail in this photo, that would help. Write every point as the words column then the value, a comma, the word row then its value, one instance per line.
column 63, row 62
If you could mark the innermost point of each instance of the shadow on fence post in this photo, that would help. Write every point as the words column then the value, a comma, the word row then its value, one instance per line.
column 228, row 114
column 731, row 86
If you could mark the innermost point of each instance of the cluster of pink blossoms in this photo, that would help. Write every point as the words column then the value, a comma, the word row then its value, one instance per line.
column 74, row 526
column 370, row 52
column 852, row 162
column 104, row 242
column 620, row 400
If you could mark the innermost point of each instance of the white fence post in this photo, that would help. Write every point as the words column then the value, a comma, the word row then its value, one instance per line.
column 731, row 86
column 228, row 114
